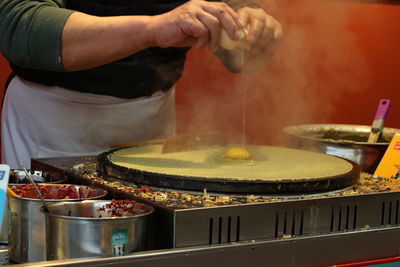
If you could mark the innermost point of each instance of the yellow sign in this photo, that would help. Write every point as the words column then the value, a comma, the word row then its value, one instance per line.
column 389, row 167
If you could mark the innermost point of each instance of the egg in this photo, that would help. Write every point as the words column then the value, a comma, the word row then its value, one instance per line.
column 237, row 153
column 229, row 44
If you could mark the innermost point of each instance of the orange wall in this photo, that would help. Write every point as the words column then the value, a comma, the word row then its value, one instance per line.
column 336, row 61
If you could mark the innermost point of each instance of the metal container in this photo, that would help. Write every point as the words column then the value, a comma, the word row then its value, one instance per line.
column 80, row 229
column 18, row 176
column 27, row 239
column 342, row 140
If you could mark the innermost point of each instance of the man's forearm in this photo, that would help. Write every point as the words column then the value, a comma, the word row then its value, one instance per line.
column 90, row 41
column 46, row 35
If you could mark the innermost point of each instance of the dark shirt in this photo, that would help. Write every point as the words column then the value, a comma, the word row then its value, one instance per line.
column 138, row 75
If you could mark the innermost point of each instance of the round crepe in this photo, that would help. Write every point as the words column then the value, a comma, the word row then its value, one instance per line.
column 270, row 163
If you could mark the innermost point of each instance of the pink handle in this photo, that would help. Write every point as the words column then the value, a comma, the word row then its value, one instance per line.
column 383, row 108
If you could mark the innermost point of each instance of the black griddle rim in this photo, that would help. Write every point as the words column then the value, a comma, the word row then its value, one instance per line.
column 106, row 167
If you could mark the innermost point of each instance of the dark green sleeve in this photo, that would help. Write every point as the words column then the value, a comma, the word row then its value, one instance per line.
column 30, row 32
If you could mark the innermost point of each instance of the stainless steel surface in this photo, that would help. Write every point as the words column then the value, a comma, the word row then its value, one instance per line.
column 28, row 176
column 301, row 217
column 81, row 229
column 310, row 251
column 365, row 154
column 18, row 176
column 27, row 240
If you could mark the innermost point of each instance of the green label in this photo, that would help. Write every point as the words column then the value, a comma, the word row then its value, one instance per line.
column 119, row 242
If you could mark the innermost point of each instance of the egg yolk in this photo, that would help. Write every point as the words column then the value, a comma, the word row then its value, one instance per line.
column 237, row 153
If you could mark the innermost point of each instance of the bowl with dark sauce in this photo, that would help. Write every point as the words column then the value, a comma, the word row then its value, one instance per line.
column 342, row 140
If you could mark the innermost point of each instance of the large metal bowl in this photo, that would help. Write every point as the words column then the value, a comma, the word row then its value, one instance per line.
column 18, row 176
column 342, row 140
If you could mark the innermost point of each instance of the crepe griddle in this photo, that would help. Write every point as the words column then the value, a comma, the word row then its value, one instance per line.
column 284, row 185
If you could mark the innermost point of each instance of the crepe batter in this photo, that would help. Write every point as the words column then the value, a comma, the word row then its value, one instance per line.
column 271, row 163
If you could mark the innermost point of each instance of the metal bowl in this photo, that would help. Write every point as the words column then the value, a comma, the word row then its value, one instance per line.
column 85, row 229
column 18, row 176
column 342, row 140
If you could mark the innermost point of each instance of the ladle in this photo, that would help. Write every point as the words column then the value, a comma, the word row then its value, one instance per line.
column 28, row 176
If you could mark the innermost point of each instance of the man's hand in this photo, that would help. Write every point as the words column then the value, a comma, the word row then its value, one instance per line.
column 196, row 23
column 90, row 41
column 263, row 34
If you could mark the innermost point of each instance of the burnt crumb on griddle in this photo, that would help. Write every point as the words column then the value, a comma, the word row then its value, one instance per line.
column 177, row 199
column 85, row 168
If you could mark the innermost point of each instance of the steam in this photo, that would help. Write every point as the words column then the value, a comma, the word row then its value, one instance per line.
column 317, row 64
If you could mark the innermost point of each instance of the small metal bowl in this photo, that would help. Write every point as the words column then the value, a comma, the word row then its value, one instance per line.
column 342, row 140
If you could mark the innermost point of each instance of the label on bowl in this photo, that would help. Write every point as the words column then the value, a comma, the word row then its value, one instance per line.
column 119, row 242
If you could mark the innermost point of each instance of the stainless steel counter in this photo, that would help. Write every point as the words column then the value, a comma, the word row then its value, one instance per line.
column 309, row 251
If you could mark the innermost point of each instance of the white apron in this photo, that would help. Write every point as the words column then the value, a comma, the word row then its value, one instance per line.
column 48, row 121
